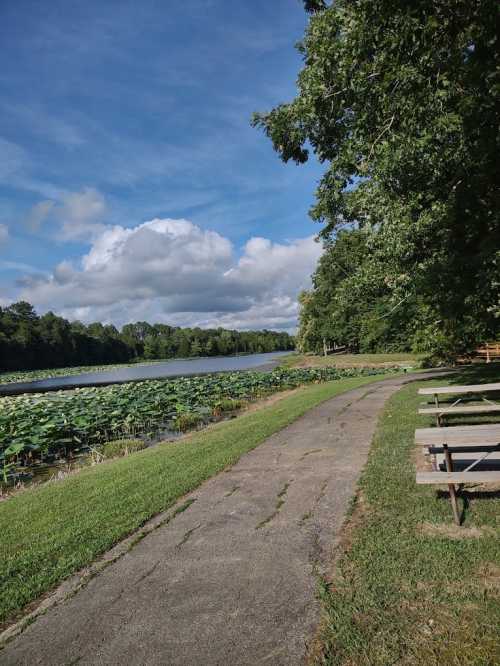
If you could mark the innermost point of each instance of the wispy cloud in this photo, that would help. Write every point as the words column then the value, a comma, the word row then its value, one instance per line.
column 4, row 234
column 38, row 121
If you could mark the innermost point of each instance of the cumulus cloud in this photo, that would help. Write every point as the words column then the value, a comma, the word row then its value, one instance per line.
column 174, row 271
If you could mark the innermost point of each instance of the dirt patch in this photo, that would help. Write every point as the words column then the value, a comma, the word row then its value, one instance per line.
column 456, row 532
column 271, row 400
column 483, row 488
column 357, row 516
column 489, row 575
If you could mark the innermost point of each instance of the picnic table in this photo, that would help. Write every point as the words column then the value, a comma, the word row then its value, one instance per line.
column 477, row 442
column 470, row 390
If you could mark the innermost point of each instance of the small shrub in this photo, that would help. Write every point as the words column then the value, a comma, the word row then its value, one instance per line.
column 186, row 421
column 122, row 447
column 227, row 405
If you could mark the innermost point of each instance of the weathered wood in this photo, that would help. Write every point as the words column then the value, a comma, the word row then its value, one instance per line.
column 468, row 409
column 460, row 446
column 445, row 478
column 483, row 433
column 460, row 390
column 477, row 448
column 491, row 350
column 451, row 487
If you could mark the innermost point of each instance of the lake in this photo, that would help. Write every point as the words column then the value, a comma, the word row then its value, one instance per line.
column 173, row 368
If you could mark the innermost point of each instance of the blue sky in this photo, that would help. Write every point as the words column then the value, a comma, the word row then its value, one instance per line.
column 114, row 114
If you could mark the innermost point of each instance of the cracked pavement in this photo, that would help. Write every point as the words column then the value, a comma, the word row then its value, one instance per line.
column 232, row 579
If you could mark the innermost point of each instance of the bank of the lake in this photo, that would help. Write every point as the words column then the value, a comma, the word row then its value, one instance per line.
column 50, row 531
column 375, row 360
column 59, row 425
column 69, row 378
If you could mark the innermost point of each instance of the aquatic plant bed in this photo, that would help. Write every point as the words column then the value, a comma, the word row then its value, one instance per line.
column 51, row 530
column 410, row 586
column 34, row 426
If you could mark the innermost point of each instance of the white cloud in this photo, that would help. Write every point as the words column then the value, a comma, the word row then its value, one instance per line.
column 4, row 234
column 174, row 271
column 81, row 214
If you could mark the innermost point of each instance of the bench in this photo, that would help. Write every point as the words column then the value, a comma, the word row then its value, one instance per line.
column 489, row 351
column 451, row 477
column 446, row 478
column 460, row 390
column 471, row 435
column 454, row 410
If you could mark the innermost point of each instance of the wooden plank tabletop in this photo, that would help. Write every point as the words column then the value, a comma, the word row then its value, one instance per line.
column 459, row 390
column 484, row 433
column 457, row 477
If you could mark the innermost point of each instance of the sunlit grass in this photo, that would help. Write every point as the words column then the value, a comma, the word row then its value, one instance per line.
column 349, row 360
column 410, row 587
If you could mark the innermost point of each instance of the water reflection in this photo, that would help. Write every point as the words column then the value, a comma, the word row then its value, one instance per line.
column 173, row 368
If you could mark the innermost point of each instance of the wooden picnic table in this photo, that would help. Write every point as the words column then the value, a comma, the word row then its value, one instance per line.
column 462, row 440
column 471, row 389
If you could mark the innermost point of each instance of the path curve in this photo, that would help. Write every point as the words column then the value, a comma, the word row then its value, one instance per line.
column 231, row 580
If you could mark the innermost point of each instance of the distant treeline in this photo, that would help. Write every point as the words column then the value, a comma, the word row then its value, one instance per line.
column 29, row 341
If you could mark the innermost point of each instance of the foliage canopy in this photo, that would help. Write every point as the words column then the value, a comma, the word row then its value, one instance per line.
column 399, row 101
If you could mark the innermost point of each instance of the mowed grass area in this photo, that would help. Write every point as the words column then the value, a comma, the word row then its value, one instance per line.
column 410, row 586
column 51, row 531
column 350, row 360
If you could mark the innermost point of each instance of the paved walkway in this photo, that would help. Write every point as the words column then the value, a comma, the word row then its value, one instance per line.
column 231, row 580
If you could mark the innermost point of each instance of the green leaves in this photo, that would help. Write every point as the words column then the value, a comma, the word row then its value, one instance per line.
column 58, row 422
column 397, row 99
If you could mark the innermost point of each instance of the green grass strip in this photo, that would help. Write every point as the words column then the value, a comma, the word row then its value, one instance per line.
column 410, row 587
column 51, row 531
column 349, row 360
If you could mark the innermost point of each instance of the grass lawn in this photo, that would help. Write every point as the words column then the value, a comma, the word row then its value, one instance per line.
column 410, row 587
column 349, row 360
column 51, row 531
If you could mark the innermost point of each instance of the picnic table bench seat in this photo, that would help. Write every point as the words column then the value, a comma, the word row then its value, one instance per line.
column 439, row 412
column 447, row 478
column 470, row 435
column 460, row 390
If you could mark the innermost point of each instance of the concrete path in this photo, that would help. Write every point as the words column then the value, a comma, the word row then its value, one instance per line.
column 231, row 580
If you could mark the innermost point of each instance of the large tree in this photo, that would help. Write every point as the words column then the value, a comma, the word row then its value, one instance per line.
column 399, row 100
column 345, row 309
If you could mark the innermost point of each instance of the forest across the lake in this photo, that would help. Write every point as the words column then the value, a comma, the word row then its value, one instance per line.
column 30, row 342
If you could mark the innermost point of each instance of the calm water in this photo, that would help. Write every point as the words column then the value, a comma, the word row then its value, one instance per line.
column 174, row 368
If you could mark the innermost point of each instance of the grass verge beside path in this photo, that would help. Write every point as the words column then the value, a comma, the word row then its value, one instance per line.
column 349, row 360
column 410, row 587
column 51, row 531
